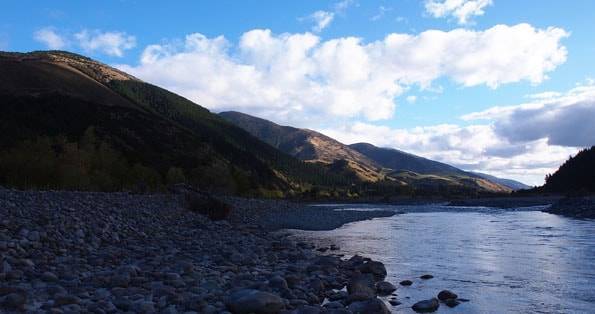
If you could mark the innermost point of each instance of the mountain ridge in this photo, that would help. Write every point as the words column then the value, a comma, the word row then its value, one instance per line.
column 392, row 164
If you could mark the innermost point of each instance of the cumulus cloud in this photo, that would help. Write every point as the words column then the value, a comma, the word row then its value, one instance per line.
column 50, row 38
column 462, row 10
column 110, row 43
column 563, row 119
column 286, row 77
column 474, row 147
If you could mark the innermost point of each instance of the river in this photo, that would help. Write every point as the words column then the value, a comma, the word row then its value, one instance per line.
column 503, row 261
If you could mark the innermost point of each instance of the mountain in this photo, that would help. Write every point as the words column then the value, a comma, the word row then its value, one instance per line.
column 399, row 160
column 306, row 144
column 577, row 174
column 67, row 121
column 512, row 184
column 371, row 163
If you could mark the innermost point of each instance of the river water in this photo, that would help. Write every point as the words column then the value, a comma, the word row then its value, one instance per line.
column 503, row 261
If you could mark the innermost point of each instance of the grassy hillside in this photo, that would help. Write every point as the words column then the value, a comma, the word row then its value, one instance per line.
column 370, row 163
column 307, row 145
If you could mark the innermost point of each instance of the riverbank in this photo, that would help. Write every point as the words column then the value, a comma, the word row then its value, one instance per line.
column 66, row 252
column 279, row 214
column 578, row 207
column 507, row 202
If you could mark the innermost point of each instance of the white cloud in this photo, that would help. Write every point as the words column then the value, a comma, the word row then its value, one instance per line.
column 381, row 12
column 475, row 147
column 50, row 38
column 342, row 6
column 411, row 99
column 321, row 19
column 291, row 78
column 462, row 10
column 110, row 43
column 562, row 119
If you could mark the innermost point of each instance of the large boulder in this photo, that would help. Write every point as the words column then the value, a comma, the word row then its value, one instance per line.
column 375, row 268
column 426, row 306
column 247, row 301
column 361, row 287
column 385, row 288
column 372, row 306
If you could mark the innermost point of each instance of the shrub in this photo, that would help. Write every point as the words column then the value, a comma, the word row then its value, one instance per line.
column 207, row 205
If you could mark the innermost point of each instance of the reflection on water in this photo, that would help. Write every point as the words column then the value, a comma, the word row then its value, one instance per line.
column 503, row 261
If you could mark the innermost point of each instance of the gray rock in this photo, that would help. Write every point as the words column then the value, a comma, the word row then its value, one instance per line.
column 446, row 294
column 247, row 301
column 49, row 277
column 372, row 306
column 65, row 299
column 385, row 288
column 143, row 306
column 13, row 301
column 307, row 309
column 278, row 283
column 426, row 277
column 375, row 268
column 426, row 306
column 361, row 288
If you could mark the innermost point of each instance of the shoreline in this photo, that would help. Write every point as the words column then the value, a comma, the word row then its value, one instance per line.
column 506, row 201
column 113, row 252
column 276, row 215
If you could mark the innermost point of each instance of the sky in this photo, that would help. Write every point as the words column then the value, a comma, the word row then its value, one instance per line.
column 496, row 86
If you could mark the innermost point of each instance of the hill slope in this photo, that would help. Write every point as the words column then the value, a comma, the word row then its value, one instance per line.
column 399, row 160
column 53, row 94
column 306, row 144
column 512, row 184
column 387, row 164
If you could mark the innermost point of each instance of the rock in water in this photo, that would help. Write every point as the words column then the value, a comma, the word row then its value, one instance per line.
column 406, row 283
column 247, row 301
column 385, row 288
column 372, row 306
column 426, row 277
column 426, row 306
column 361, row 288
column 375, row 268
column 447, row 294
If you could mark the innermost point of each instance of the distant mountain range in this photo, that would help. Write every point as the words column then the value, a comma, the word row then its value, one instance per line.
column 69, row 122
column 369, row 162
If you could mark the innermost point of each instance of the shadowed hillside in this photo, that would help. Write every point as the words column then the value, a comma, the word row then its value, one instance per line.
column 50, row 95
column 575, row 175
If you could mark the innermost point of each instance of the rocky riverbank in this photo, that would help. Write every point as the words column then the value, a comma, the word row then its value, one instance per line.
column 280, row 214
column 578, row 207
column 70, row 252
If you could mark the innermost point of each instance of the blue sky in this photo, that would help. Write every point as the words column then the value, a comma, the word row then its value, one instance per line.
column 534, row 47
